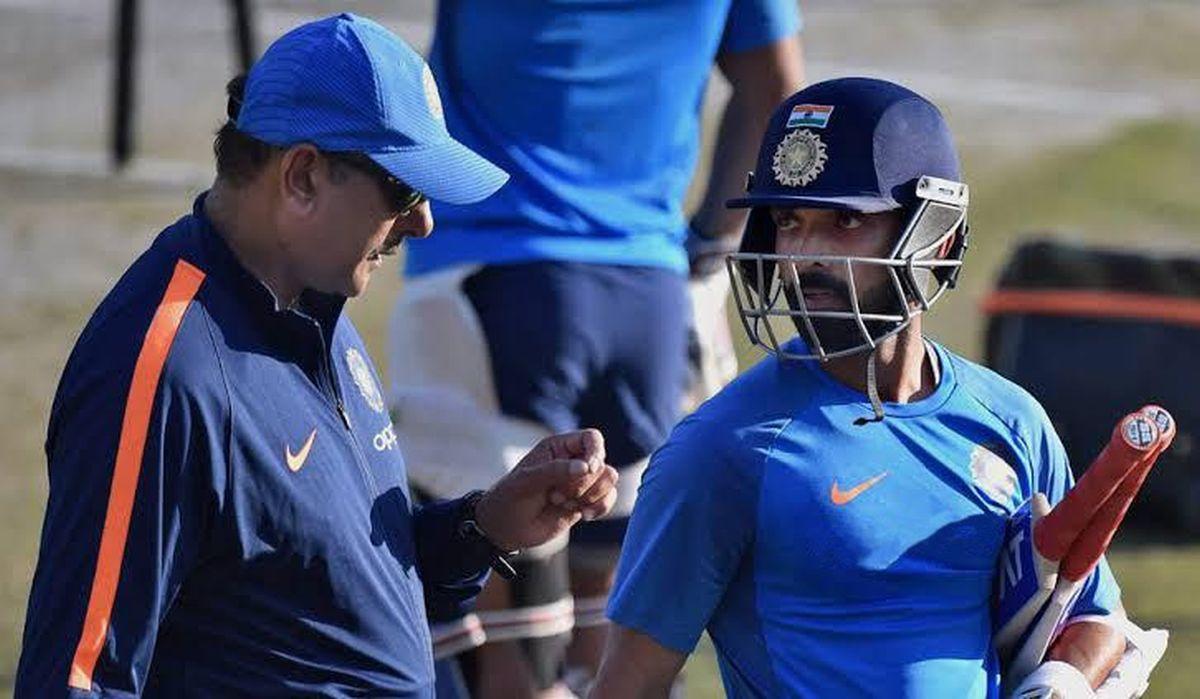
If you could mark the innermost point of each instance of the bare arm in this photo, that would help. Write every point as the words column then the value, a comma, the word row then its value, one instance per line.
column 1093, row 648
column 761, row 78
column 635, row 666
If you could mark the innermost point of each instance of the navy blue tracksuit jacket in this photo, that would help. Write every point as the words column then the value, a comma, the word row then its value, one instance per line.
column 228, row 510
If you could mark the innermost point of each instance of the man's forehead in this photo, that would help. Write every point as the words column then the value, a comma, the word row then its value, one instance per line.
column 812, row 211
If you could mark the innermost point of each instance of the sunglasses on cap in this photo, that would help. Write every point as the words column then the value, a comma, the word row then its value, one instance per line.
column 400, row 196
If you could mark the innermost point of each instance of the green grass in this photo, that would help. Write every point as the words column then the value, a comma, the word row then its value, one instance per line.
column 1137, row 187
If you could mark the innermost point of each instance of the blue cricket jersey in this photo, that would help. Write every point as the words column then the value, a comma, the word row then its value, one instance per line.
column 228, row 511
column 827, row 558
column 593, row 108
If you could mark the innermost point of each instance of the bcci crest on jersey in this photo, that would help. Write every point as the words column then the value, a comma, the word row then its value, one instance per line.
column 364, row 379
column 992, row 475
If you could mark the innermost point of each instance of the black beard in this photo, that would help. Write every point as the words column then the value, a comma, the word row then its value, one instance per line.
column 839, row 334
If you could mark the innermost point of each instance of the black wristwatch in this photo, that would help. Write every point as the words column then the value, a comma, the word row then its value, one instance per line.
column 468, row 529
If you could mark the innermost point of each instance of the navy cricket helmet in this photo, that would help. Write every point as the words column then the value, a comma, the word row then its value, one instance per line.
column 852, row 144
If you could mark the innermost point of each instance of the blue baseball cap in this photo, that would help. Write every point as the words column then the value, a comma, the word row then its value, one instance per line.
column 345, row 83
column 857, row 144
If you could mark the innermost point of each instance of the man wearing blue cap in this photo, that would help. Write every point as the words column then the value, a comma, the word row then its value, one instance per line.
column 228, row 511
column 834, row 516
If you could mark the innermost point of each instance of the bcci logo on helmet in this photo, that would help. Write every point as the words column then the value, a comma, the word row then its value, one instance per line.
column 799, row 158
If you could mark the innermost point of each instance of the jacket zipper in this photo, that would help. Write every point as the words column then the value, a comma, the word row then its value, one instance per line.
column 327, row 370
column 327, row 375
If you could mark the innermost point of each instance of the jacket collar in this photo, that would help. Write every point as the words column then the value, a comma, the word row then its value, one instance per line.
column 257, row 296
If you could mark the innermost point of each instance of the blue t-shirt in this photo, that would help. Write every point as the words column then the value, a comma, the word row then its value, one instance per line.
column 594, row 111
column 827, row 558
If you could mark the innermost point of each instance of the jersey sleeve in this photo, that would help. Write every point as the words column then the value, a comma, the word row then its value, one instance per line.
column 690, row 529
column 136, row 454
column 753, row 24
column 1101, row 594
column 452, row 570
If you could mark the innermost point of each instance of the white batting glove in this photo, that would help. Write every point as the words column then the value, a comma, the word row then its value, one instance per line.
column 1054, row 680
column 1131, row 676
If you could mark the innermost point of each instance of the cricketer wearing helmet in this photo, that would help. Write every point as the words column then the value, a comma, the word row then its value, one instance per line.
column 834, row 516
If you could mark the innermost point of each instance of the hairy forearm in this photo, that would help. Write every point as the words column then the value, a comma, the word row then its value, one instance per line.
column 1093, row 648
column 733, row 156
column 761, row 79
column 635, row 666
column 629, row 685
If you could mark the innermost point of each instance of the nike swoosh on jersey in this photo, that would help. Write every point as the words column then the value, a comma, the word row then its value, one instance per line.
column 295, row 461
column 841, row 497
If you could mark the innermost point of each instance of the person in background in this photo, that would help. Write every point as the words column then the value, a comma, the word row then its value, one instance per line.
column 563, row 301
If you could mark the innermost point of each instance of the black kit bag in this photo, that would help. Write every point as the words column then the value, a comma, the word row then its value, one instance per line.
column 1095, row 333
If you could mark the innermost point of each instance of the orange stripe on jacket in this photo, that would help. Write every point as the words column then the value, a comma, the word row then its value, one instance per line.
column 185, row 282
column 1100, row 304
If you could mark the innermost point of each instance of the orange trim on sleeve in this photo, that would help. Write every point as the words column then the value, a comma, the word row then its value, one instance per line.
column 139, row 404
column 1101, row 304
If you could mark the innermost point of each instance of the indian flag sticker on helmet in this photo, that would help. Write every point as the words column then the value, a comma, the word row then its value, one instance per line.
column 814, row 115
column 799, row 158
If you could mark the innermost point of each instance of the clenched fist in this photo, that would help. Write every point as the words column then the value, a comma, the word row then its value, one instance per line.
column 562, row 480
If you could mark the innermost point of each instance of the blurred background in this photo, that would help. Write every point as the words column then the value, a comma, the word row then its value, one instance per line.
column 1078, row 121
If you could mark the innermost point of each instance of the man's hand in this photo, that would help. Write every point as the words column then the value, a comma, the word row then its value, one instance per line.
column 562, row 480
column 1092, row 648
column 707, row 253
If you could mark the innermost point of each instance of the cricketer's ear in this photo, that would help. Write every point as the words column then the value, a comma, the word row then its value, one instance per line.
column 301, row 170
column 635, row 666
